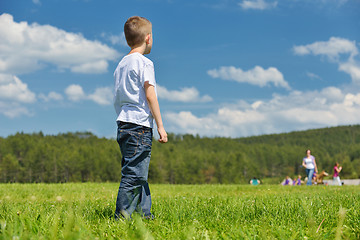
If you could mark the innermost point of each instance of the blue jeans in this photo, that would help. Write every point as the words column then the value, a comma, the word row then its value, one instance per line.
column 135, row 143
column 309, row 173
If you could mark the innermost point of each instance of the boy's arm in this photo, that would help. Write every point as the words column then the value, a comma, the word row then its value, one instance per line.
column 155, row 110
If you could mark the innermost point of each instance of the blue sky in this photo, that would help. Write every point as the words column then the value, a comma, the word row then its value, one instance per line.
column 223, row 68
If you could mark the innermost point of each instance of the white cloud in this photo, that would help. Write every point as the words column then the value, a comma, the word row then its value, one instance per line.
column 295, row 111
column 333, row 50
column 28, row 47
column 75, row 93
column 227, row 122
column 51, row 96
column 14, row 94
column 256, row 76
column 185, row 95
column 332, row 94
column 13, row 89
column 313, row 75
column 115, row 39
column 353, row 68
column 13, row 109
column 257, row 4
column 102, row 96
column 91, row 67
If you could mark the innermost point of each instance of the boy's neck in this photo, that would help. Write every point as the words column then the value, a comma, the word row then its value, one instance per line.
column 141, row 49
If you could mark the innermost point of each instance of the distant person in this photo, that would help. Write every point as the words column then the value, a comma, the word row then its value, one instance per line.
column 310, row 165
column 287, row 181
column 136, row 106
column 314, row 178
column 297, row 181
column 254, row 181
column 336, row 177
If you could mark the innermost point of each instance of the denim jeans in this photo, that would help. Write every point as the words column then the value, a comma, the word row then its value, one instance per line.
column 309, row 173
column 134, row 194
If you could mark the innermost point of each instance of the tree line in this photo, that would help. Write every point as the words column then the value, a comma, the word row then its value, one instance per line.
column 185, row 159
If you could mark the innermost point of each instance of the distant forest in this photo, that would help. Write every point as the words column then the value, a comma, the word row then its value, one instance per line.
column 185, row 159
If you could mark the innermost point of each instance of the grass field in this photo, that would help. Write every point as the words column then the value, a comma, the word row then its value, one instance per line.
column 85, row 210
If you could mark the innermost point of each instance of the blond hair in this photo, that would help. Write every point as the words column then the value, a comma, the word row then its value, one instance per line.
column 135, row 29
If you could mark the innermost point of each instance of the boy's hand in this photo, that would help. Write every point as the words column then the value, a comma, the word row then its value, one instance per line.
column 163, row 135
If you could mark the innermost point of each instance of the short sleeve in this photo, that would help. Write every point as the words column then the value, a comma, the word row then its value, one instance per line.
column 148, row 75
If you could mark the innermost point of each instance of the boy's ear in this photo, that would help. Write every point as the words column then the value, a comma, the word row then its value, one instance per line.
column 147, row 38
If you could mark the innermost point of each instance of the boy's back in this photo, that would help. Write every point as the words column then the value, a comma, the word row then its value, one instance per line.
column 130, row 99
column 136, row 105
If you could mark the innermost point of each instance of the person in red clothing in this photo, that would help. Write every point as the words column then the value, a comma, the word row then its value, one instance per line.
column 336, row 177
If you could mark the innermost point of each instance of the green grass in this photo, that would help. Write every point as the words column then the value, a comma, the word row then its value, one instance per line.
column 85, row 210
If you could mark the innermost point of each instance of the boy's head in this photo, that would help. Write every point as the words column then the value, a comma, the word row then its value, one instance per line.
column 137, row 30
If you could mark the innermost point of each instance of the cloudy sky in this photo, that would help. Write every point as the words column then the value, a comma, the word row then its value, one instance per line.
column 230, row 68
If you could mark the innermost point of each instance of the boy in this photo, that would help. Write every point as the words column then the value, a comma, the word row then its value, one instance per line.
column 136, row 106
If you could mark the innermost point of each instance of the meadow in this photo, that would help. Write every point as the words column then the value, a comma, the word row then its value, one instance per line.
column 85, row 211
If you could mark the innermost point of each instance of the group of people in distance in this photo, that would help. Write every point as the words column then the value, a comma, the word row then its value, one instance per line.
column 297, row 181
column 312, row 174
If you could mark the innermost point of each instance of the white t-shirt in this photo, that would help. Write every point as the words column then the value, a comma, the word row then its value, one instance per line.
column 129, row 97
column 309, row 162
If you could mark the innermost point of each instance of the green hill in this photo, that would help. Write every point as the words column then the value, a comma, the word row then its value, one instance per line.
column 186, row 159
